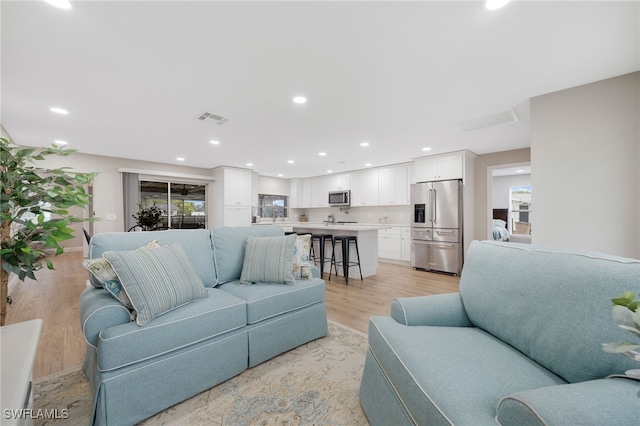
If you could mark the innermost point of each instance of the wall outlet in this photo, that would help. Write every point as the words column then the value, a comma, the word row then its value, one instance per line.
column 110, row 216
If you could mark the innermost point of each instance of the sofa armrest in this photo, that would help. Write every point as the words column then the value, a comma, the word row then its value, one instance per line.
column 612, row 401
column 445, row 310
column 99, row 311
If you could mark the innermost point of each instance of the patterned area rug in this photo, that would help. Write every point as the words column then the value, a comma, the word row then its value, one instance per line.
column 314, row 384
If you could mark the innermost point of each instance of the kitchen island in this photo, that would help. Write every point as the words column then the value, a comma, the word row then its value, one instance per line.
column 367, row 244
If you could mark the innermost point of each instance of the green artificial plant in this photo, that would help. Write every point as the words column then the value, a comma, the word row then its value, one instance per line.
column 626, row 311
column 34, row 211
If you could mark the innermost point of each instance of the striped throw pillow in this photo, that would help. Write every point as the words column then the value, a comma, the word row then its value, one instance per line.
column 268, row 260
column 156, row 280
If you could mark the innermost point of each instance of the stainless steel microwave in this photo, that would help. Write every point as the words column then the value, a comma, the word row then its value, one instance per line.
column 340, row 198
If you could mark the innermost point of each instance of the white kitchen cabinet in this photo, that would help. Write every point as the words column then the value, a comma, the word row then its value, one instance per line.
column 237, row 215
column 237, row 187
column 306, row 193
column 439, row 167
column 320, row 191
column 389, row 243
column 295, row 194
column 340, row 182
column 405, row 242
column 393, row 188
column 233, row 197
column 364, row 188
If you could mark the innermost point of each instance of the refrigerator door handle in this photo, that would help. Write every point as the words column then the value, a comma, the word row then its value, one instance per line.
column 435, row 200
column 430, row 209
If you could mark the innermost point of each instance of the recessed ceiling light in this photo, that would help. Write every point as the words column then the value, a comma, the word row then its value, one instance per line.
column 300, row 100
column 426, row 148
column 214, row 142
column 180, row 158
column 520, row 171
column 59, row 110
column 290, row 161
column 280, row 175
column 367, row 165
column 60, row 143
column 495, row 4
column 60, row 4
column 249, row 164
column 329, row 171
column 322, row 154
column 364, row 144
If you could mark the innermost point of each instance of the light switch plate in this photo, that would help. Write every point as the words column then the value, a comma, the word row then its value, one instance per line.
column 111, row 216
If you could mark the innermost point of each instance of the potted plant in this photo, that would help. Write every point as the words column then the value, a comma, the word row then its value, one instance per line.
column 34, row 213
column 148, row 217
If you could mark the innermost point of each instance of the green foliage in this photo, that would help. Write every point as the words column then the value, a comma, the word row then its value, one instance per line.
column 29, row 195
column 627, row 315
column 148, row 217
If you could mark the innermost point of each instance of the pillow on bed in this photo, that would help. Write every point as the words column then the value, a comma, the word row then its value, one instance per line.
column 499, row 222
column 268, row 260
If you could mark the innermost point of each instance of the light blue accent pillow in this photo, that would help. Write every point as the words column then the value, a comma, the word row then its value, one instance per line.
column 301, row 262
column 268, row 260
column 229, row 245
column 156, row 280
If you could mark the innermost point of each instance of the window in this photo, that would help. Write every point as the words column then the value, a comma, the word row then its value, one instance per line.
column 274, row 206
column 520, row 210
column 183, row 205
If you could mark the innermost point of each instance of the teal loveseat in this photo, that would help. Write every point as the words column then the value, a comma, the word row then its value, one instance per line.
column 520, row 344
column 137, row 371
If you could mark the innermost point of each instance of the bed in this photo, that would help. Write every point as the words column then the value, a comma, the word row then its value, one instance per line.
column 500, row 232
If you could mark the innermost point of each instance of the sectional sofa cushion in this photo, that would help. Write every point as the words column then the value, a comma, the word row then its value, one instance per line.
column 196, row 243
column 229, row 244
column 454, row 375
column 156, row 280
column 269, row 300
column 127, row 344
column 500, row 302
column 268, row 260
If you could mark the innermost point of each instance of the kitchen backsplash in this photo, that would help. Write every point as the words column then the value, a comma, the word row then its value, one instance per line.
column 396, row 215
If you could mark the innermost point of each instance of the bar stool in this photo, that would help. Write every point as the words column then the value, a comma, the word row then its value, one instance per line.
column 345, row 241
column 322, row 240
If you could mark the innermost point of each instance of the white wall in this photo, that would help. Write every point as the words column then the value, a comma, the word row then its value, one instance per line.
column 273, row 186
column 107, row 186
column 585, row 161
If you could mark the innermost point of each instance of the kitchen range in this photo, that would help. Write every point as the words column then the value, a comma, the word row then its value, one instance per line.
column 436, row 226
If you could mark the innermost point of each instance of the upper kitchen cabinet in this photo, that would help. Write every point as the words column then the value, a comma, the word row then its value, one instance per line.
column 441, row 167
column 393, row 185
column 364, row 188
column 320, row 191
column 340, row 182
column 296, row 193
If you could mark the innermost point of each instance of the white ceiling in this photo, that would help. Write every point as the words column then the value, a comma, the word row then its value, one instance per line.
column 136, row 75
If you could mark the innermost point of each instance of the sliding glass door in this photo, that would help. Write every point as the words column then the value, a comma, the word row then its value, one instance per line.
column 183, row 205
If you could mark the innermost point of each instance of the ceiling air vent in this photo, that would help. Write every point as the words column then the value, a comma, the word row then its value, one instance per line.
column 487, row 120
column 212, row 118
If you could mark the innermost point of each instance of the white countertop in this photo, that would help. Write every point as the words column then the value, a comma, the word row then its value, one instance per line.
column 340, row 226
column 357, row 226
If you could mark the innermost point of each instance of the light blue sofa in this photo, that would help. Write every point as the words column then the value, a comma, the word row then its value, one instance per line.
column 520, row 344
column 137, row 371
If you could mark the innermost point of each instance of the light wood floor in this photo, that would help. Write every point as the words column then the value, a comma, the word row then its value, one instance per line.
column 54, row 298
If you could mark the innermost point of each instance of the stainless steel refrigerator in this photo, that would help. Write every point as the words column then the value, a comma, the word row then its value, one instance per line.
column 436, row 226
